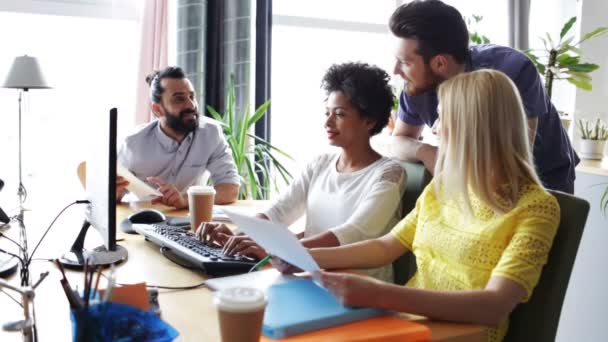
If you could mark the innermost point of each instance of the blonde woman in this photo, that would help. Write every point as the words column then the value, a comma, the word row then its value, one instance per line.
column 481, row 231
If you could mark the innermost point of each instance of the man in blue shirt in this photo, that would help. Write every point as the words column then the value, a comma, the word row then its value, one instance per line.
column 432, row 46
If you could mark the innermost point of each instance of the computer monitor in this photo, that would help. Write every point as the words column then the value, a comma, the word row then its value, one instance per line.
column 101, row 193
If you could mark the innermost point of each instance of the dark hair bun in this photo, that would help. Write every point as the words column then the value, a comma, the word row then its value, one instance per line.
column 151, row 77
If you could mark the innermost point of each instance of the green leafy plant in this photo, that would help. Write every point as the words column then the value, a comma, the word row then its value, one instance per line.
column 597, row 130
column 397, row 93
column 255, row 158
column 561, row 59
column 474, row 36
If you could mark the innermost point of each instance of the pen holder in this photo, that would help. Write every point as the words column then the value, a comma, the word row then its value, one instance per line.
column 118, row 322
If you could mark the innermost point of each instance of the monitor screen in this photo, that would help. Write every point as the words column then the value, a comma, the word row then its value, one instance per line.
column 101, row 178
column 101, row 194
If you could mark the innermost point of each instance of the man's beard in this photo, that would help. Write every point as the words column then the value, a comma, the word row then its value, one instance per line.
column 432, row 82
column 177, row 123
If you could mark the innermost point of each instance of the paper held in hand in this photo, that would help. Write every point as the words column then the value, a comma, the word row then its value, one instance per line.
column 141, row 189
column 276, row 238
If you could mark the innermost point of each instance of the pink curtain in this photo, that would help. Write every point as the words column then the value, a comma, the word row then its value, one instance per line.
column 152, row 54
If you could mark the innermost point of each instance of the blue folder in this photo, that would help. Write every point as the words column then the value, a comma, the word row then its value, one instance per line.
column 300, row 306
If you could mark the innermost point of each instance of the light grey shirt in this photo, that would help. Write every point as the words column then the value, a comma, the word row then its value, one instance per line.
column 149, row 152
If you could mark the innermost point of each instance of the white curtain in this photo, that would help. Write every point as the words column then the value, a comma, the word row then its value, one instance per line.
column 153, row 53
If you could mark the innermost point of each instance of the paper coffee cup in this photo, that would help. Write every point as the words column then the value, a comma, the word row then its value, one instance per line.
column 240, row 313
column 200, row 203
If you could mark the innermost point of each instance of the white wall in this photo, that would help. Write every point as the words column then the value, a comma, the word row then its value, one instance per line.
column 585, row 306
column 591, row 104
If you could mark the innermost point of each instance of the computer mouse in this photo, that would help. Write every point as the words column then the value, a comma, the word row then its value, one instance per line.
column 146, row 216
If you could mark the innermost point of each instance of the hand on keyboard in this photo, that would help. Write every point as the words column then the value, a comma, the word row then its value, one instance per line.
column 232, row 244
column 214, row 232
column 243, row 245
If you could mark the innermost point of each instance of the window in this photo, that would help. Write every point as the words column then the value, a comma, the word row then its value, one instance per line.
column 91, row 63
column 309, row 36
column 494, row 25
column 550, row 16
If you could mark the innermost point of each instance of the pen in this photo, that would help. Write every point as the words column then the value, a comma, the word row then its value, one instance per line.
column 73, row 298
column 97, row 282
column 261, row 263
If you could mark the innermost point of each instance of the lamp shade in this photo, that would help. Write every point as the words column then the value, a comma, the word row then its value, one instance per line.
column 25, row 74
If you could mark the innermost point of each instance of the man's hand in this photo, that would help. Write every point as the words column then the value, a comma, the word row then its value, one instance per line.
column 171, row 196
column 121, row 187
column 226, row 193
column 351, row 289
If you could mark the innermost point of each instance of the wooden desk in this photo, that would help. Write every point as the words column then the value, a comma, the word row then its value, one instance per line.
column 191, row 312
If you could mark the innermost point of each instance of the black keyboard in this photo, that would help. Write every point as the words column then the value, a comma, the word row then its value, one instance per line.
column 181, row 242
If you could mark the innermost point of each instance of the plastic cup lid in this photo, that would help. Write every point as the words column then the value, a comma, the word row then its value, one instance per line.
column 201, row 189
column 239, row 299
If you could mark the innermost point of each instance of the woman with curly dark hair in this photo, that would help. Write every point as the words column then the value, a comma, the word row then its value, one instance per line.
column 349, row 196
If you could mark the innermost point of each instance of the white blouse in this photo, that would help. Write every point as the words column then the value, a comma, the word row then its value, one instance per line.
column 355, row 206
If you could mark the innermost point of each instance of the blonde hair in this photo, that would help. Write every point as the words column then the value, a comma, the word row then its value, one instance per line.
column 483, row 141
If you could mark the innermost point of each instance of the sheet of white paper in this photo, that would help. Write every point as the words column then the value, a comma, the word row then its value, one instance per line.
column 260, row 280
column 220, row 215
column 142, row 190
column 276, row 238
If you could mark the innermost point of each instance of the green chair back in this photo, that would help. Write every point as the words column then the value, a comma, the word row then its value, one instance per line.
column 417, row 179
column 537, row 319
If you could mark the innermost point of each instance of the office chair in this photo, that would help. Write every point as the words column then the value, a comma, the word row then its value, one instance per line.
column 81, row 171
column 417, row 179
column 537, row 320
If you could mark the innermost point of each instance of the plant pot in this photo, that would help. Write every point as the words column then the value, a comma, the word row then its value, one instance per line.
column 592, row 149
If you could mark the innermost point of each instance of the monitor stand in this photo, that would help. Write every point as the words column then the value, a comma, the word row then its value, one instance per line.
column 100, row 256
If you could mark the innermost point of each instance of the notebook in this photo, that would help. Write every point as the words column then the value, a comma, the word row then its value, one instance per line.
column 299, row 306
column 379, row 329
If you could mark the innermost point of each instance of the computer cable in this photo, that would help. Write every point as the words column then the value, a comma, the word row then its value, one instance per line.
column 49, row 228
column 11, row 240
column 13, row 255
column 163, row 287
column 24, row 271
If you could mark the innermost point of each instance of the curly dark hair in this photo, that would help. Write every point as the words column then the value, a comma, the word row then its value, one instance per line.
column 153, row 79
column 438, row 28
column 366, row 87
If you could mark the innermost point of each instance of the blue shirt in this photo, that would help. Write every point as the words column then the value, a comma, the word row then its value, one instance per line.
column 554, row 156
column 149, row 152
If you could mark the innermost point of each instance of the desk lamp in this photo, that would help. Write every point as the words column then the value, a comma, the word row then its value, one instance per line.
column 24, row 75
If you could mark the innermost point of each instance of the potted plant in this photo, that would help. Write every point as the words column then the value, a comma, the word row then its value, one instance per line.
column 255, row 158
column 594, row 136
column 561, row 60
